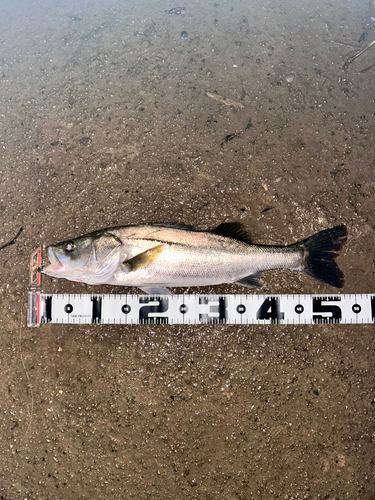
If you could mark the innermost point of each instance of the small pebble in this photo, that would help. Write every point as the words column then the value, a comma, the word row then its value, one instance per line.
column 184, row 34
column 85, row 141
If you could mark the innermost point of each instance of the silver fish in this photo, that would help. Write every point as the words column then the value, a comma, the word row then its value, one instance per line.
column 155, row 256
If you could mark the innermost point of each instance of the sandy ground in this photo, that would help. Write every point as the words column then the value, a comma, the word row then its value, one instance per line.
column 104, row 121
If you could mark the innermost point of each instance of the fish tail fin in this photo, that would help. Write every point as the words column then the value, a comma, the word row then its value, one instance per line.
column 321, row 250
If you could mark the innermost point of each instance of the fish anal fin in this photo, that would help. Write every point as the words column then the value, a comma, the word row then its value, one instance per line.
column 143, row 260
column 250, row 281
column 155, row 290
column 234, row 230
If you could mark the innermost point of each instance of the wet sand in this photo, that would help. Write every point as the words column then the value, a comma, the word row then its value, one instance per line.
column 105, row 121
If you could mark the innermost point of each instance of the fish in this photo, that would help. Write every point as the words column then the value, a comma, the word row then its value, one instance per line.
column 156, row 256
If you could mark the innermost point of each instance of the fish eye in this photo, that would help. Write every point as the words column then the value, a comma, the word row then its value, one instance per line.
column 69, row 247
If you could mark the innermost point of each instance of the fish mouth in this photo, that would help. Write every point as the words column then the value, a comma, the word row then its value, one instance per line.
column 54, row 262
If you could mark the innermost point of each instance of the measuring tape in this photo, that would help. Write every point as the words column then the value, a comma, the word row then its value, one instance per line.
column 192, row 309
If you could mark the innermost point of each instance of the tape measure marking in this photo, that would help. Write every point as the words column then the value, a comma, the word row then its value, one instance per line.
column 199, row 309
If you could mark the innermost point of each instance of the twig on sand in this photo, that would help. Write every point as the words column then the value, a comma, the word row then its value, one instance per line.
column 351, row 59
column 11, row 242
column 224, row 100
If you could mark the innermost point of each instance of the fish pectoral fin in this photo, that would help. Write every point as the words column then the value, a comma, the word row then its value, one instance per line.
column 155, row 290
column 250, row 281
column 143, row 259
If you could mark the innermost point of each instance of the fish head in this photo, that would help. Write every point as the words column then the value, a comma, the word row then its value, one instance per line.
column 91, row 259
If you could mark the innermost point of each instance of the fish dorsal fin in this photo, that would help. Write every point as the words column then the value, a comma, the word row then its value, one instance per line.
column 234, row 230
column 173, row 225
column 143, row 259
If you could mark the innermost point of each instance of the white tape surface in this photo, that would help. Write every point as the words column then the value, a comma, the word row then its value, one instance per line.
column 200, row 309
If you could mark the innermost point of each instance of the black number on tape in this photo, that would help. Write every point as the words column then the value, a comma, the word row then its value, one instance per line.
column 214, row 313
column 146, row 311
column 270, row 310
column 332, row 312
column 96, row 309
column 47, row 315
